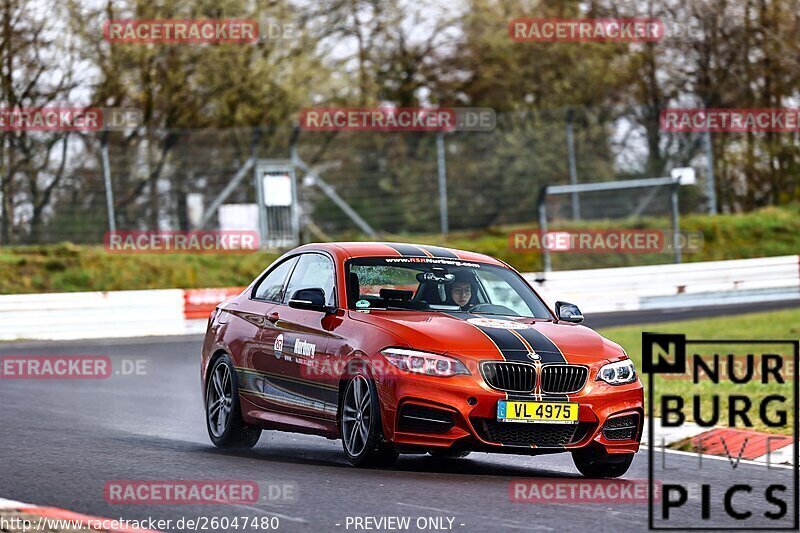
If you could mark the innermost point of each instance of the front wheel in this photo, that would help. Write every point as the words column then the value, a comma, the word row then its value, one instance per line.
column 223, row 411
column 596, row 463
column 360, row 425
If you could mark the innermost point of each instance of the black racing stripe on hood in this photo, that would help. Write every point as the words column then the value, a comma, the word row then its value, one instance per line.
column 547, row 349
column 437, row 251
column 408, row 250
column 511, row 348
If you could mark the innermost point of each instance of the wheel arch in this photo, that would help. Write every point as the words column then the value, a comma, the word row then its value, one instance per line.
column 219, row 352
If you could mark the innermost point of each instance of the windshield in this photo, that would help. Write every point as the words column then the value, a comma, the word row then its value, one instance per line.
column 428, row 284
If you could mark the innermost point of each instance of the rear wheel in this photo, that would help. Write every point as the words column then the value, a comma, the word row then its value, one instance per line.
column 596, row 463
column 360, row 425
column 223, row 411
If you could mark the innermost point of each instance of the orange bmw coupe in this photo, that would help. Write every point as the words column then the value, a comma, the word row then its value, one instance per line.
column 400, row 348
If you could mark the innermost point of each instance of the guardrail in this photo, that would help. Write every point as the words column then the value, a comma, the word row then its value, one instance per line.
column 85, row 315
column 78, row 315
column 607, row 290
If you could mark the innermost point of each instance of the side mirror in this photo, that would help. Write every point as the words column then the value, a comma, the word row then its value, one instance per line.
column 310, row 300
column 569, row 312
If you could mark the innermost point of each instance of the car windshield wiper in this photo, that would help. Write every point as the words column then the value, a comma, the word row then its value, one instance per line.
column 493, row 314
column 513, row 316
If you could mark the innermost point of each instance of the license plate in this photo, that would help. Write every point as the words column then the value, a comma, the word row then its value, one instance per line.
column 537, row 412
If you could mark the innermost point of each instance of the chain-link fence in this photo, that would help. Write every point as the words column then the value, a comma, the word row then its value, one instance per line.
column 393, row 181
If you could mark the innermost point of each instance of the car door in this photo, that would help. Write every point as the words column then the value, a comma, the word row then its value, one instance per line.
column 302, row 339
column 258, row 380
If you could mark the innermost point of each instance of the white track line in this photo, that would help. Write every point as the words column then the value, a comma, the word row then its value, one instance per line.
column 669, row 435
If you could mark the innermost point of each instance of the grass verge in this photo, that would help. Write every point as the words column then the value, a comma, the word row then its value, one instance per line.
column 68, row 267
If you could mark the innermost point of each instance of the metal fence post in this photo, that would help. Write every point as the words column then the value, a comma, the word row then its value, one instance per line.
column 546, row 264
column 675, row 219
column 443, row 215
column 263, row 228
column 573, row 171
column 112, row 219
column 711, row 189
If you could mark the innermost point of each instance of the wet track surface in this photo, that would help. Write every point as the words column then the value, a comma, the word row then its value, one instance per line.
column 652, row 316
column 63, row 440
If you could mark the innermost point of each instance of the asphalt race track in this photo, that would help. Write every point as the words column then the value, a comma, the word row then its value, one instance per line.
column 652, row 316
column 62, row 440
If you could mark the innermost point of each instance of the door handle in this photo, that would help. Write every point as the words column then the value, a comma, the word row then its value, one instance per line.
column 273, row 317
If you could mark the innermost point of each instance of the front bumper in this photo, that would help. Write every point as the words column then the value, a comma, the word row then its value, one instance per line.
column 423, row 413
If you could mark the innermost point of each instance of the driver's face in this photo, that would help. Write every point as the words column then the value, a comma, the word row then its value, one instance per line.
column 461, row 292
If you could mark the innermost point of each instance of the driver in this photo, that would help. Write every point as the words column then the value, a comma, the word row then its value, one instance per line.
column 461, row 290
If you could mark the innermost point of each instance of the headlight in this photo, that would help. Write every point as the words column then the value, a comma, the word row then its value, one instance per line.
column 426, row 363
column 618, row 373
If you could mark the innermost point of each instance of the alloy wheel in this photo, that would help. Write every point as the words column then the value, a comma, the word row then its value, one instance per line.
column 219, row 399
column 356, row 416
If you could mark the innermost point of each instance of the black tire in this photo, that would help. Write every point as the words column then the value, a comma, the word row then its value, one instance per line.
column 362, row 434
column 596, row 463
column 231, row 432
column 449, row 454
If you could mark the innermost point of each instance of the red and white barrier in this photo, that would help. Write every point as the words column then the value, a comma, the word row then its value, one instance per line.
column 198, row 303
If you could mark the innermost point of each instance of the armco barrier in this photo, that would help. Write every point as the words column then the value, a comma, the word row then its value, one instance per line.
column 82, row 315
column 86, row 315
column 606, row 290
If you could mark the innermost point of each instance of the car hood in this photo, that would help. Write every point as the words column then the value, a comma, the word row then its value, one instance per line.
column 482, row 337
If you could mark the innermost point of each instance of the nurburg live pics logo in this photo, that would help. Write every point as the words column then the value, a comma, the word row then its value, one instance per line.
column 731, row 496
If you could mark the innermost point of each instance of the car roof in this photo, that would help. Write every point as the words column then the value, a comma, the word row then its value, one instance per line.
column 347, row 250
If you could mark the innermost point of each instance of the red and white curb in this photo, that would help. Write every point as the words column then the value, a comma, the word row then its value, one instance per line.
column 749, row 445
column 46, row 517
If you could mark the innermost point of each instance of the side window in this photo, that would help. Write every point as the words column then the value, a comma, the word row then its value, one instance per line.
column 271, row 287
column 314, row 271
